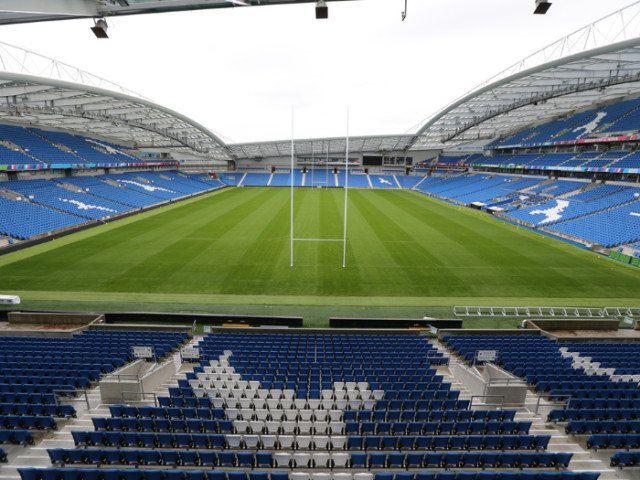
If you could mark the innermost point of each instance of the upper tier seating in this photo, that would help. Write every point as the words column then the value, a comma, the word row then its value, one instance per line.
column 78, row 146
column 9, row 156
column 521, row 137
column 452, row 160
column 620, row 117
column 604, row 160
column 630, row 161
column 122, row 153
column 37, row 146
column 495, row 160
column 472, row 159
column 581, row 159
column 552, row 132
column 627, row 118
column 550, row 160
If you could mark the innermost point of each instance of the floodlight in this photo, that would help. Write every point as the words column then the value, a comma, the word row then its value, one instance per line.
column 542, row 6
column 322, row 11
column 100, row 29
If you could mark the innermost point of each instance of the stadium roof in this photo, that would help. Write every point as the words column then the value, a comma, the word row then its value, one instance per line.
column 599, row 63
column 319, row 146
column 28, row 11
column 42, row 91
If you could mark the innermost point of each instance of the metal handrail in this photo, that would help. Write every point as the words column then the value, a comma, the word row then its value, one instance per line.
column 578, row 312
column 133, row 376
column 84, row 392
column 501, row 404
column 505, row 381
column 155, row 398
column 550, row 396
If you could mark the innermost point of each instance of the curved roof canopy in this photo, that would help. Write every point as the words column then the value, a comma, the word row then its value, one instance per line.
column 596, row 64
column 320, row 147
column 42, row 91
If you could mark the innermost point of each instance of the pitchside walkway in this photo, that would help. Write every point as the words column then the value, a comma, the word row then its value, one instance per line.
column 583, row 459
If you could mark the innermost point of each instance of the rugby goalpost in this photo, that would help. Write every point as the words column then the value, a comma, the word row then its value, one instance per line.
column 346, row 189
column 313, row 170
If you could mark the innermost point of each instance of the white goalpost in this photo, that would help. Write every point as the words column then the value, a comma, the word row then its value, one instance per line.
column 346, row 189
column 313, row 169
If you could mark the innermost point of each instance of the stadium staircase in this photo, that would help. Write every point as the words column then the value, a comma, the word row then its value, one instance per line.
column 538, row 185
column 397, row 182
column 369, row 180
column 270, row 178
column 239, row 184
column 588, row 186
column 418, row 184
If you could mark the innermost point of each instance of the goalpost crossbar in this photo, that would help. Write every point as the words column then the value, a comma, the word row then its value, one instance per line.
column 318, row 240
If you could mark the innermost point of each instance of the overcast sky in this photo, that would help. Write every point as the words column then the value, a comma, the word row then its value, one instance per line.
column 240, row 70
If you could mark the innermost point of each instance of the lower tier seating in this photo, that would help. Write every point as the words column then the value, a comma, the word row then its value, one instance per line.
column 308, row 442
column 625, row 459
column 134, row 474
column 319, row 460
column 28, row 422
column 17, row 437
column 616, row 441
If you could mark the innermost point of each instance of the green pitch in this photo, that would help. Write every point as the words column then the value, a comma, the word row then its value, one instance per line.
column 401, row 246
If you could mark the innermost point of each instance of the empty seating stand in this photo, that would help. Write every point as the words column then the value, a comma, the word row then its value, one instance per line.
column 156, row 474
column 309, row 407
column 315, row 460
column 625, row 459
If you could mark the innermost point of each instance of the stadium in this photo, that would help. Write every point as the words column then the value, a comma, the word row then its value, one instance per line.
column 455, row 302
